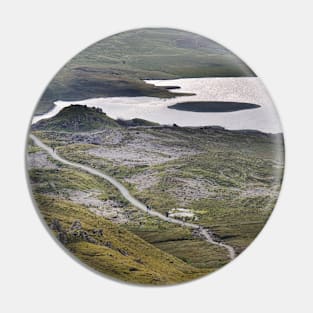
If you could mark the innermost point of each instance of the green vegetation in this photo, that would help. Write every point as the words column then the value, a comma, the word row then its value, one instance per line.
column 75, row 118
column 241, row 171
column 120, row 257
column 216, row 106
column 111, row 249
column 226, row 181
column 80, row 118
column 136, row 122
column 117, row 66
column 162, row 53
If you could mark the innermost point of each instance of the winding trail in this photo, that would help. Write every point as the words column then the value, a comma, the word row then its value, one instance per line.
column 125, row 193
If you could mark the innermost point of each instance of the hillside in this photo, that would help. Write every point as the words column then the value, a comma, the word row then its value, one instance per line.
column 100, row 239
column 225, row 180
column 80, row 118
column 110, row 249
column 77, row 118
column 136, row 122
column 117, row 66
column 160, row 53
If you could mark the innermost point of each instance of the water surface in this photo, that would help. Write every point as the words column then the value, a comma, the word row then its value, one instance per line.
column 238, row 89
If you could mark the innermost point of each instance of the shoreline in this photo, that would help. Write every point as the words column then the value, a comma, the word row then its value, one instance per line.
column 160, row 110
column 172, row 126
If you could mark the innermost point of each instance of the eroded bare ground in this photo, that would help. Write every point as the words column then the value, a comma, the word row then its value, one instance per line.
column 39, row 159
column 160, row 152
column 227, row 182
column 139, row 148
column 182, row 166
column 146, row 148
column 112, row 209
column 144, row 180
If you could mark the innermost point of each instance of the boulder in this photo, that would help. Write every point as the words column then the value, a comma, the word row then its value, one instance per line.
column 76, row 225
column 56, row 225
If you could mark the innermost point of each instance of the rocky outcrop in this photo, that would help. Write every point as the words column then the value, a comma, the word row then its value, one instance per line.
column 74, row 233
column 76, row 225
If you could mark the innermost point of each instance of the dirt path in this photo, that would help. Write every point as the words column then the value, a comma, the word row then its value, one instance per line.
column 203, row 232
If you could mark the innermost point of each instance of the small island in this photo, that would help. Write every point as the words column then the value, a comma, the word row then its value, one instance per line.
column 213, row 106
column 171, row 87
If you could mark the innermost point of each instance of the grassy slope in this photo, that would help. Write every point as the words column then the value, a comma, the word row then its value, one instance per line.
column 233, row 161
column 136, row 122
column 77, row 118
column 143, row 262
column 118, row 252
column 176, row 264
column 162, row 53
column 116, row 65
column 59, row 182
